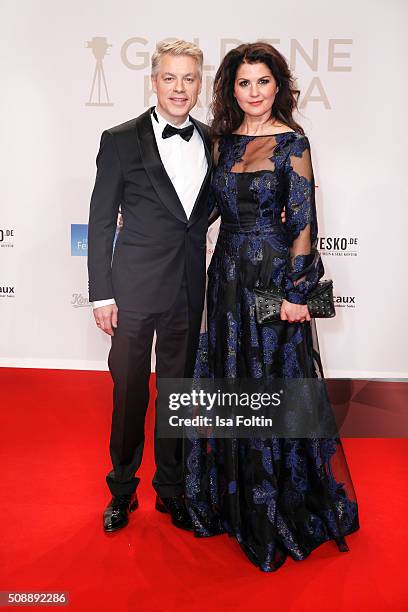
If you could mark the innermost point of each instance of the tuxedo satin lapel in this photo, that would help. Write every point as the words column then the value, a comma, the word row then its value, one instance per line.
column 155, row 169
column 209, row 168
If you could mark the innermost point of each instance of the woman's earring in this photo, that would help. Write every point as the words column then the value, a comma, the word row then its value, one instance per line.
column 277, row 89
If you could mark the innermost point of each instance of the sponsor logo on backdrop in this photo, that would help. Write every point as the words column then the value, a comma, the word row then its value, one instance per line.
column 79, row 239
column 344, row 301
column 79, row 301
column 338, row 246
column 6, row 237
column 311, row 58
column 7, row 291
column 99, row 95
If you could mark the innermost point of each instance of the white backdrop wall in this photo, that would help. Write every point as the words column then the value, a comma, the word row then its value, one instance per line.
column 350, row 59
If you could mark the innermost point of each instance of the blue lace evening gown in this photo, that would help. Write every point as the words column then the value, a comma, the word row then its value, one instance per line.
column 277, row 496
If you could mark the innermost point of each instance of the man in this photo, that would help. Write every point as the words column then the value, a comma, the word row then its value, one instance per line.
column 157, row 169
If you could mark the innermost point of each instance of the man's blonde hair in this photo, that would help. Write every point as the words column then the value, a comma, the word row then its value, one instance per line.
column 177, row 47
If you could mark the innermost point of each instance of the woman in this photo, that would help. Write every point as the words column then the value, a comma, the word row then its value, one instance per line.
column 277, row 496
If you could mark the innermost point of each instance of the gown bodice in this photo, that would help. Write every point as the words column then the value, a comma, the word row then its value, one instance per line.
column 252, row 179
column 255, row 178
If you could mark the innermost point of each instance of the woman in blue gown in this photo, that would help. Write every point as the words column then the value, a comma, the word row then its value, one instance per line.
column 276, row 496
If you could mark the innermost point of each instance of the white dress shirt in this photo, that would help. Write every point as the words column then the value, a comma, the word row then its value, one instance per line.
column 185, row 163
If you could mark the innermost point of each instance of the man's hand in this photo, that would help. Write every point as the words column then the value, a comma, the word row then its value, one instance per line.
column 106, row 318
column 283, row 215
column 294, row 313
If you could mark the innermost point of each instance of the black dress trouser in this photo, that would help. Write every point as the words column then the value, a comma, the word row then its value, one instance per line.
column 177, row 332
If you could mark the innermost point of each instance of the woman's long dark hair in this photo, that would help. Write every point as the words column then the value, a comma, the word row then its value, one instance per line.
column 227, row 115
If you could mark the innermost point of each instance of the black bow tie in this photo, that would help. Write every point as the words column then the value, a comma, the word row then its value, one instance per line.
column 185, row 132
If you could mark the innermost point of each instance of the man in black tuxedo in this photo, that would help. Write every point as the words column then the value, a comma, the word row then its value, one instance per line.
column 157, row 169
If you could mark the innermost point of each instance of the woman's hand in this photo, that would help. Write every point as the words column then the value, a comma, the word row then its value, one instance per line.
column 294, row 313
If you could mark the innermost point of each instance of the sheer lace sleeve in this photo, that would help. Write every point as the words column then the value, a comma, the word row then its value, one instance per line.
column 305, row 267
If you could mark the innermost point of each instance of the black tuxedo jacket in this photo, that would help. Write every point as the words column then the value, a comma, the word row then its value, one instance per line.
column 157, row 242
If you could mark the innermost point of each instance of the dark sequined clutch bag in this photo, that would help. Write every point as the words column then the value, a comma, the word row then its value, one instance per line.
column 319, row 302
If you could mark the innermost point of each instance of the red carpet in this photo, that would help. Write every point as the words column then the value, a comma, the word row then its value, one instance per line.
column 54, row 457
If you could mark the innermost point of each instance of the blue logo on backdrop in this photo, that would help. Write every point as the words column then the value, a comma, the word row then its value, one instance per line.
column 79, row 239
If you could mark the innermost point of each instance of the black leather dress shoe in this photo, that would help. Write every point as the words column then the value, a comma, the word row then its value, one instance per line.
column 116, row 512
column 176, row 507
